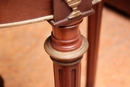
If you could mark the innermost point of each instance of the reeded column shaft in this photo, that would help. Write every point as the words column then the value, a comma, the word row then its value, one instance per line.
column 67, row 76
column 66, row 47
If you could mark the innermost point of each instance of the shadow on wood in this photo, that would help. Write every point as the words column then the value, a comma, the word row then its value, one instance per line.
column 1, row 82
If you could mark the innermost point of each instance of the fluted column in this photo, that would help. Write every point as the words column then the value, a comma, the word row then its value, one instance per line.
column 66, row 47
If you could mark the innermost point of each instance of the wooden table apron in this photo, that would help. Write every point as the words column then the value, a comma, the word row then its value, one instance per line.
column 20, row 10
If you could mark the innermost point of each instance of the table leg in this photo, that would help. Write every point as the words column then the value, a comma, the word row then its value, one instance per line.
column 94, row 22
column 66, row 47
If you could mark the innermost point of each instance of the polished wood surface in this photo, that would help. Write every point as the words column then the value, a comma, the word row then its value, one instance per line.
column 66, row 47
column 19, row 10
column 66, row 38
column 67, row 76
column 94, row 23
column 62, row 10
column 121, row 5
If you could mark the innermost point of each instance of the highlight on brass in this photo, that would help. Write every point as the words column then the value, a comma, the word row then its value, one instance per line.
column 74, row 5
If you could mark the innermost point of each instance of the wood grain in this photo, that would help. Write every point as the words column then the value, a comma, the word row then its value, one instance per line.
column 19, row 10
column 66, row 38
column 94, row 23
column 67, row 76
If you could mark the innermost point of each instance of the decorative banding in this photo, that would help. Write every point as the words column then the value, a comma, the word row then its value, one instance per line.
column 68, row 63
column 64, row 56
column 49, row 17
column 66, row 45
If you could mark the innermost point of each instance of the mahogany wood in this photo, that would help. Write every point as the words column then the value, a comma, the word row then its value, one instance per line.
column 67, row 76
column 94, row 22
column 66, row 38
column 61, row 47
column 121, row 5
column 20, row 10
column 62, row 11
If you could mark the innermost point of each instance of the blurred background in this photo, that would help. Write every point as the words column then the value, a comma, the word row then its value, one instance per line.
column 24, row 63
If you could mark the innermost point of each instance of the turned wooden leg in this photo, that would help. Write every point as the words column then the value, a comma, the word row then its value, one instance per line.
column 66, row 47
column 94, row 22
